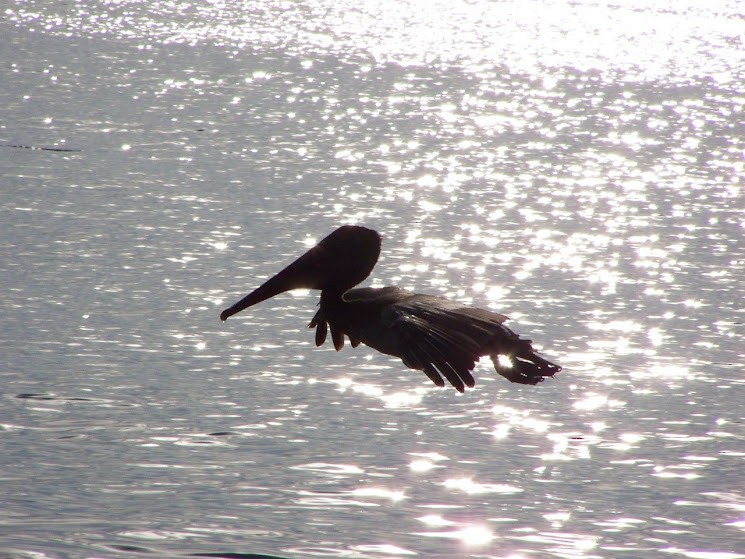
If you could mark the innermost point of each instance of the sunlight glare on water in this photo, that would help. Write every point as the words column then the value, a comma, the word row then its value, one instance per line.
column 576, row 166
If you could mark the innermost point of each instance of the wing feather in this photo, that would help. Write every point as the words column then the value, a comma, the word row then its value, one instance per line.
column 337, row 336
column 438, row 336
column 321, row 331
column 321, row 326
column 444, row 338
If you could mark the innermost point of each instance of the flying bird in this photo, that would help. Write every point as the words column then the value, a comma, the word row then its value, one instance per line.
column 432, row 334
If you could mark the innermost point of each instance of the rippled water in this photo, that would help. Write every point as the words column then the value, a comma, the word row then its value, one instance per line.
column 577, row 166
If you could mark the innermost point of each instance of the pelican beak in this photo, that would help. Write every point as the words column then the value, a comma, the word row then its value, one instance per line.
column 340, row 261
column 304, row 273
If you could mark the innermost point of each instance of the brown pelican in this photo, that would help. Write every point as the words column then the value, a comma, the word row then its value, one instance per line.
column 431, row 334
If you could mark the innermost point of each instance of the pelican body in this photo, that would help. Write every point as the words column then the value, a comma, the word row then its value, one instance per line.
column 438, row 336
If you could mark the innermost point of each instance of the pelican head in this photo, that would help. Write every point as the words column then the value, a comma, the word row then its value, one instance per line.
column 339, row 262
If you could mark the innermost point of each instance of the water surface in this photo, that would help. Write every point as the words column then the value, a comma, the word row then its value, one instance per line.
column 576, row 166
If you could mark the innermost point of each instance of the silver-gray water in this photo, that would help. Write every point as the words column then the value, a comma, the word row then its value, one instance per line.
column 575, row 165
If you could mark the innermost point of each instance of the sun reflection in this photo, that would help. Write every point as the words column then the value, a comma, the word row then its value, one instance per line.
column 330, row 469
column 475, row 535
column 704, row 554
column 470, row 487
column 393, row 400
column 517, row 419
column 632, row 438
column 571, row 446
column 379, row 492
column 469, row 534
column 501, row 431
column 624, row 326
column 383, row 549
column 677, row 472
column 663, row 372
column 591, row 402
column 557, row 519
column 435, row 521
column 426, row 461
column 422, row 465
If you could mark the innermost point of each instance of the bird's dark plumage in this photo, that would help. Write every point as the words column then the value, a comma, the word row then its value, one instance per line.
column 432, row 334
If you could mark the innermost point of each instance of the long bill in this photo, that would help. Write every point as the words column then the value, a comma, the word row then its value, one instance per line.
column 301, row 274
column 340, row 261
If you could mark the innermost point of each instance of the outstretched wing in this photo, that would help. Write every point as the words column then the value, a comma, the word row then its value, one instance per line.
column 446, row 339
